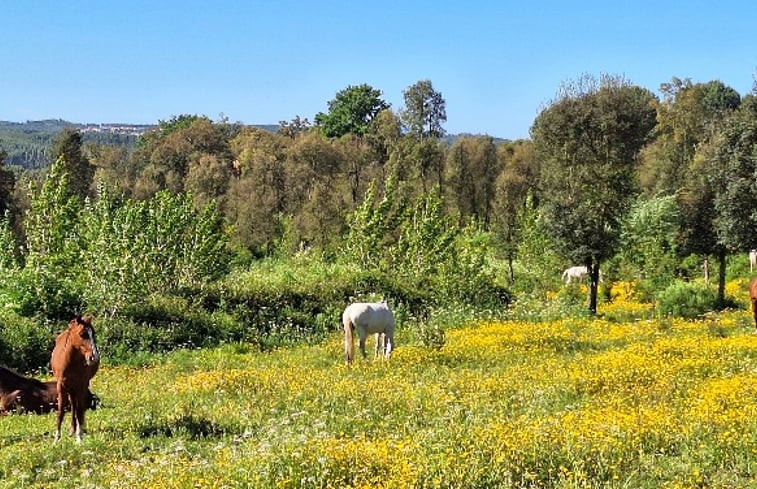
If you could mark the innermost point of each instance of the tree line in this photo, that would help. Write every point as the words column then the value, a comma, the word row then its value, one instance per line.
column 612, row 176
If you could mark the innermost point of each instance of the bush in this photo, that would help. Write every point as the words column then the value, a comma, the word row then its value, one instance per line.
column 25, row 345
column 686, row 300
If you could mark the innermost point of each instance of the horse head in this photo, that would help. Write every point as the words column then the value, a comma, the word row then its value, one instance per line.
column 82, row 334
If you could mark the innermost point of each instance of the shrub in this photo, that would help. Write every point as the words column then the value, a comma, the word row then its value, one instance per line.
column 686, row 300
column 25, row 345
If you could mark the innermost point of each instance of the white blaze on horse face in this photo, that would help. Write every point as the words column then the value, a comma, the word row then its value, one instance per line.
column 95, row 351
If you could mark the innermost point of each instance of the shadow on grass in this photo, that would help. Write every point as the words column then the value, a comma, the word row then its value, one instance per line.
column 186, row 425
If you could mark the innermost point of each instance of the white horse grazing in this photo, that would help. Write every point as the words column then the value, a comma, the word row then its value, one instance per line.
column 577, row 273
column 752, row 259
column 368, row 318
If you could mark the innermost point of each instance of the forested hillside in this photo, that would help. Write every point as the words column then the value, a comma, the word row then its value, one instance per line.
column 29, row 144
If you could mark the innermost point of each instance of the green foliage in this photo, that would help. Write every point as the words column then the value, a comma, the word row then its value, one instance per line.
column 24, row 343
column 419, row 245
column 539, row 266
column 9, row 252
column 736, row 221
column 425, row 111
column 649, row 238
column 686, row 300
column 134, row 249
column 589, row 139
column 372, row 226
column 351, row 111
column 48, row 283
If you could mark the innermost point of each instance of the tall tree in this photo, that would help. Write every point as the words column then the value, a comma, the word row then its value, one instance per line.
column 734, row 178
column 515, row 186
column 692, row 161
column 316, row 184
column 472, row 169
column 351, row 111
column 425, row 111
column 589, row 138
column 687, row 115
column 68, row 148
column 257, row 199
column 165, row 155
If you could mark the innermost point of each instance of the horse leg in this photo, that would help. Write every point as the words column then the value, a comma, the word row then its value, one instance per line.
column 379, row 344
column 61, row 404
column 363, row 335
column 78, row 408
column 348, row 341
column 72, row 403
column 754, row 310
column 388, row 345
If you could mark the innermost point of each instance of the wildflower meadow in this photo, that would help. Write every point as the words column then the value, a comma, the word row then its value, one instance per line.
column 587, row 402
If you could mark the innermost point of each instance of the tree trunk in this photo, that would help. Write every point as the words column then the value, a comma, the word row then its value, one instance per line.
column 721, row 278
column 593, row 286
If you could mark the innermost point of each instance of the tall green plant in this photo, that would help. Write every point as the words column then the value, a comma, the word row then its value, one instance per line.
column 52, row 234
column 157, row 246
column 373, row 226
column 649, row 237
column 48, row 284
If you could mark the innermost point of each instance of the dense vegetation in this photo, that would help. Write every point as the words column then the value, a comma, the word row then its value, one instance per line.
column 203, row 232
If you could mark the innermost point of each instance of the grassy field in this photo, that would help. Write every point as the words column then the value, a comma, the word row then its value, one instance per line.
column 569, row 403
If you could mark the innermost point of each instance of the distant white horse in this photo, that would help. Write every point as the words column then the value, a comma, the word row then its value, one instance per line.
column 368, row 318
column 752, row 260
column 577, row 273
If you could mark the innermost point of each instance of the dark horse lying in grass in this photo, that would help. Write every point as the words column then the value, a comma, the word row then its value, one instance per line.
column 26, row 395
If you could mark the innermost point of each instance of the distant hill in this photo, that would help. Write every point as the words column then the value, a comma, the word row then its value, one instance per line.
column 451, row 138
column 29, row 143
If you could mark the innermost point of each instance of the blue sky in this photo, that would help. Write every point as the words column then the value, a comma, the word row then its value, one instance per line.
column 495, row 63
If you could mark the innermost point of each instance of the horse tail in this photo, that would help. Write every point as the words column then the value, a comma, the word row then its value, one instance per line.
column 348, row 343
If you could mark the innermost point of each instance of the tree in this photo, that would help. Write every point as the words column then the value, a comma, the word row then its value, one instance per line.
column 686, row 117
column 316, row 188
column 734, row 179
column 472, row 169
column 165, row 155
column 351, row 111
column 693, row 134
column 112, row 167
column 589, row 138
column 257, row 199
column 208, row 180
column 81, row 172
column 650, row 238
column 425, row 111
column 514, row 187
column 294, row 127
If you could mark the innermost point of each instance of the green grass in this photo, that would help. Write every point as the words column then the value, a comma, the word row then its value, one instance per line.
column 559, row 404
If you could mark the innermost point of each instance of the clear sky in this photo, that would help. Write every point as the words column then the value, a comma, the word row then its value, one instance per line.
column 496, row 63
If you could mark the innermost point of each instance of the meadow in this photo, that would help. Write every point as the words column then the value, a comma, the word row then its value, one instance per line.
column 621, row 400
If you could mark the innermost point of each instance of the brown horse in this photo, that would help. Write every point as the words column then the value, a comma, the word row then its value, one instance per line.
column 74, row 361
column 753, row 297
column 27, row 395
